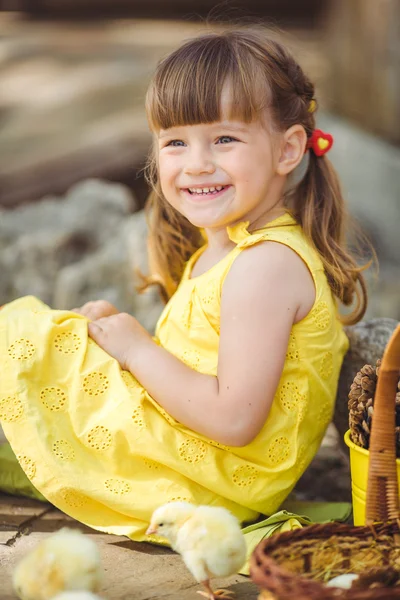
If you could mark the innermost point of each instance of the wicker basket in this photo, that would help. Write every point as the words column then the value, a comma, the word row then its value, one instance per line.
column 296, row 564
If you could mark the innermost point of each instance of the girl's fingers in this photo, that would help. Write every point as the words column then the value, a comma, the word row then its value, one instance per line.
column 96, row 333
column 97, row 309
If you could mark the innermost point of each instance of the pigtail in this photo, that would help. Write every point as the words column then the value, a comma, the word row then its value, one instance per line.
column 171, row 241
column 320, row 209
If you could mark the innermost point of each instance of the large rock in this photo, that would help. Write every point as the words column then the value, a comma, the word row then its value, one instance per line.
column 369, row 171
column 38, row 240
column 85, row 246
column 368, row 340
column 112, row 273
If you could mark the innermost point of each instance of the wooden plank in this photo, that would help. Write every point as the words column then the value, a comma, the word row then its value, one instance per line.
column 363, row 47
column 286, row 11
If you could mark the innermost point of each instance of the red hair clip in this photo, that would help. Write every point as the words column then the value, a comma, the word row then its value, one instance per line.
column 319, row 142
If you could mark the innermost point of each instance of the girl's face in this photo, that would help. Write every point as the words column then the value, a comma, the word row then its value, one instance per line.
column 217, row 174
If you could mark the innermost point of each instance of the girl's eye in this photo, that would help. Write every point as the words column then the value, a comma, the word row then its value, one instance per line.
column 175, row 143
column 225, row 139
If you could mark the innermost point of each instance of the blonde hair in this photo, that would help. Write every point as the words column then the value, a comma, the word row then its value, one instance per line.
column 186, row 89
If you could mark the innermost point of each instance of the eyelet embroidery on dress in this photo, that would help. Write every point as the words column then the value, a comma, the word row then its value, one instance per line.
column 279, row 450
column 167, row 416
column 95, row 383
column 151, row 464
column 326, row 365
column 218, row 445
column 321, row 316
column 53, row 398
column 99, row 438
column 291, row 399
column 244, row 476
column 209, row 295
column 302, row 460
column 191, row 358
column 324, row 415
column 117, row 486
column 293, row 349
column 192, row 450
column 129, row 380
column 138, row 417
column 21, row 349
column 179, row 499
column 11, row 409
column 186, row 315
column 28, row 465
column 67, row 342
column 73, row 498
column 63, row 449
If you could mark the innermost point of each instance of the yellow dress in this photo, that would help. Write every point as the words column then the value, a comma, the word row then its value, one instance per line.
column 96, row 445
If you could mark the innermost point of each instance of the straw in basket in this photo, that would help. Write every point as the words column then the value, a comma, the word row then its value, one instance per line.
column 296, row 565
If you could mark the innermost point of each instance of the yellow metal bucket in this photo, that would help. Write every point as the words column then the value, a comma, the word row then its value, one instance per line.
column 359, row 460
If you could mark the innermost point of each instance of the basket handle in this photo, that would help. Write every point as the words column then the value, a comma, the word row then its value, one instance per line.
column 382, row 488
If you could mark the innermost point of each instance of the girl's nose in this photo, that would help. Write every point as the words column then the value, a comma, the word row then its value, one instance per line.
column 198, row 163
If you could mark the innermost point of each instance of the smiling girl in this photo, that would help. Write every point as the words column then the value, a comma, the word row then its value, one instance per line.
column 228, row 403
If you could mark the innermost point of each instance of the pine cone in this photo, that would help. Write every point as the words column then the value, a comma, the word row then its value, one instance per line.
column 361, row 406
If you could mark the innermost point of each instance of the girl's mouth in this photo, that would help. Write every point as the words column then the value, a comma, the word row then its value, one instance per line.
column 206, row 192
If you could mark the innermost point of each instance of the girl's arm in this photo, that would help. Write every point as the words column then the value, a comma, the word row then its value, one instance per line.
column 265, row 289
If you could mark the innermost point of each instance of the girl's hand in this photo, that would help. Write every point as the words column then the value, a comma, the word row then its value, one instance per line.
column 120, row 335
column 96, row 310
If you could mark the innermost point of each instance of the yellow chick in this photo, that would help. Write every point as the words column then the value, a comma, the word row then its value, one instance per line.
column 208, row 538
column 66, row 560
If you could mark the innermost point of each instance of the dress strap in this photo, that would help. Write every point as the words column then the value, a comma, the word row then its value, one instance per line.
column 240, row 235
column 284, row 230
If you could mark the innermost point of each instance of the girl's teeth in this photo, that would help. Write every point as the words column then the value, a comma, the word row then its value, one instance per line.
column 217, row 188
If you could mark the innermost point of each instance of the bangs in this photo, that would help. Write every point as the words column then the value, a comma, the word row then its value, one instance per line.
column 188, row 86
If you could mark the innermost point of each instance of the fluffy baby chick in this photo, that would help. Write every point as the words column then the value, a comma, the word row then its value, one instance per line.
column 66, row 560
column 208, row 538
column 76, row 596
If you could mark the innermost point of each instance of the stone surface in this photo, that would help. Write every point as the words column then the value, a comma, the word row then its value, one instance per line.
column 368, row 340
column 14, row 512
column 131, row 570
column 110, row 273
column 84, row 246
column 327, row 479
column 369, row 169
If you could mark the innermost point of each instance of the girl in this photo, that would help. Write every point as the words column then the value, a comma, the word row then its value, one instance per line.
column 228, row 403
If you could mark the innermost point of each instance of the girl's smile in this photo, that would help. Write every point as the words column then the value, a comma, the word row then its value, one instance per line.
column 205, row 192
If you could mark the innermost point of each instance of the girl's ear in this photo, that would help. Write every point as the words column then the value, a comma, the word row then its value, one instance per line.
column 292, row 148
